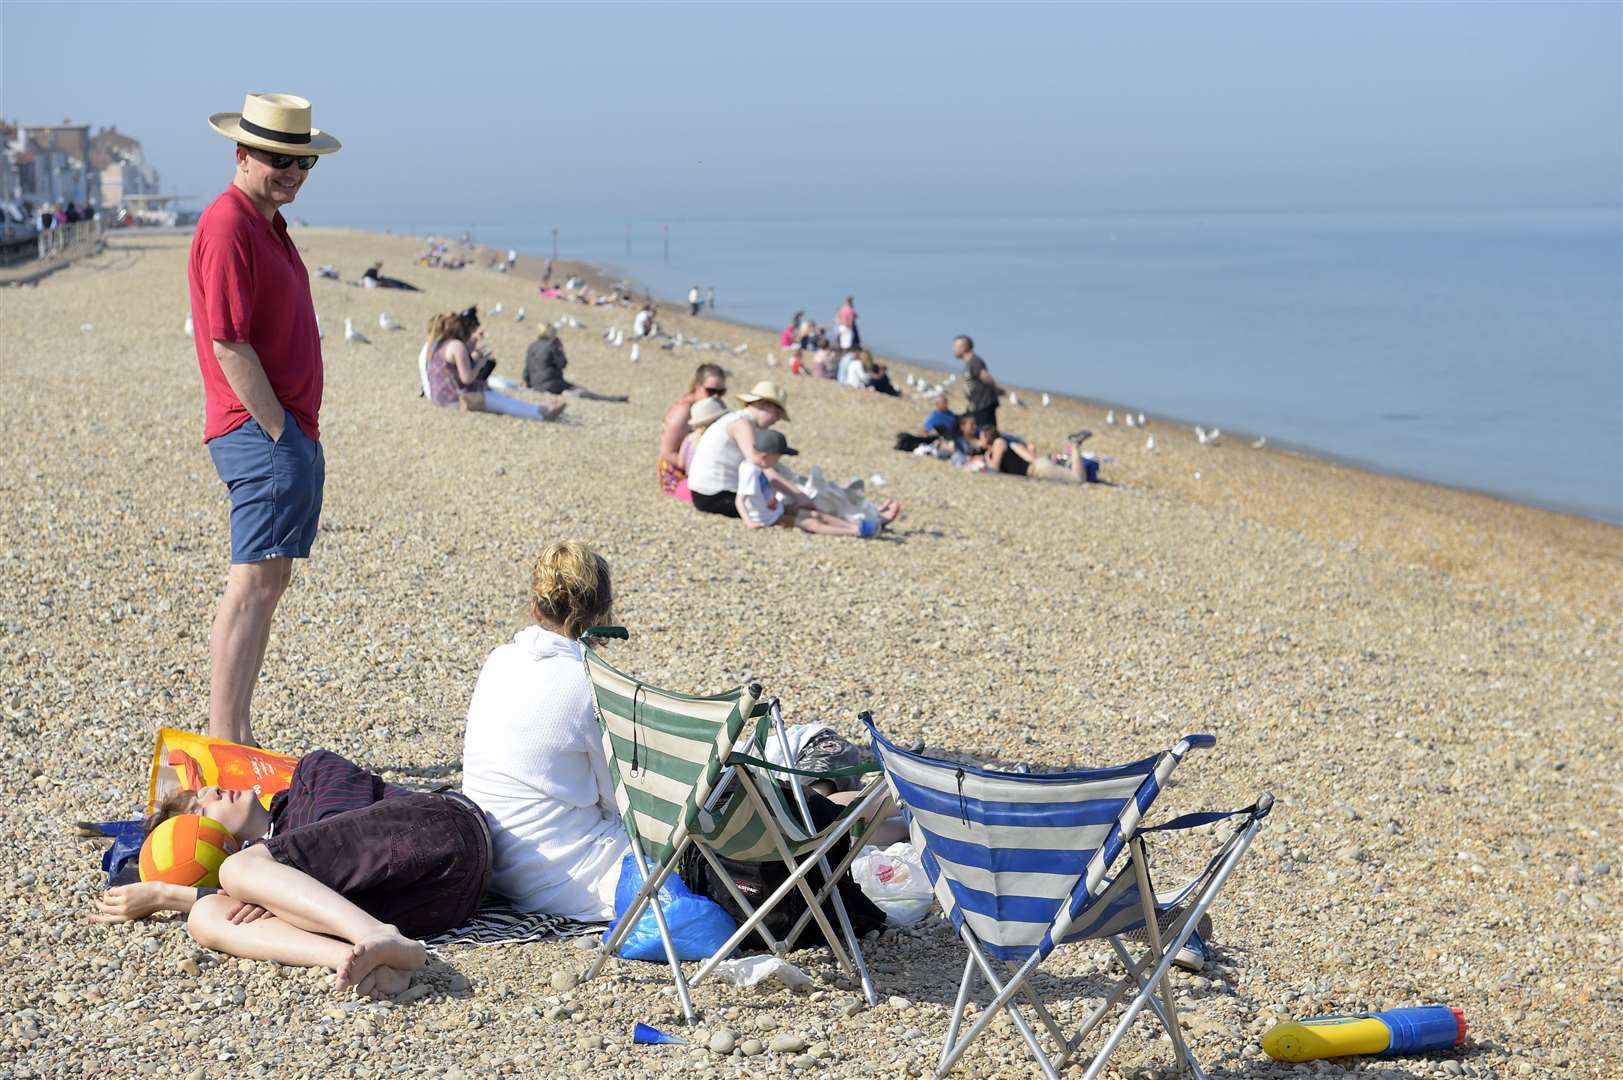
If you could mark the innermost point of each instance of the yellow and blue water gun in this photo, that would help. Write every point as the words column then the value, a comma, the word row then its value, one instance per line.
column 1384, row 1034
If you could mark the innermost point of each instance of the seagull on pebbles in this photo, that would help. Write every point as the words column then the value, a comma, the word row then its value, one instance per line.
column 387, row 321
column 1110, row 417
column 1260, row 443
column 1208, row 438
column 354, row 336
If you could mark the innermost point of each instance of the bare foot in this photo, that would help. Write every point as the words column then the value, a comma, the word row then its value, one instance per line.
column 890, row 511
column 553, row 412
column 383, row 981
column 388, row 947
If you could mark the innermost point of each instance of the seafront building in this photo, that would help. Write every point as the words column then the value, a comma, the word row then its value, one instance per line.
column 56, row 164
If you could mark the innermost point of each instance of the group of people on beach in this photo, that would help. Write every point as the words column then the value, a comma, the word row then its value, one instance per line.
column 728, row 462
column 344, row 870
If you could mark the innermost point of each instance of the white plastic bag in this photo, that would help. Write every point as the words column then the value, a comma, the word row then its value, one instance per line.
column 895, row 881
column 749, row 970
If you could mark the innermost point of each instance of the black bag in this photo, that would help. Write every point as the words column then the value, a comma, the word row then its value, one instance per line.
column 909, row 441
column 757, row 881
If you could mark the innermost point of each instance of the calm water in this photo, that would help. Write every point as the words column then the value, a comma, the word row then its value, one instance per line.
column 1480, row 350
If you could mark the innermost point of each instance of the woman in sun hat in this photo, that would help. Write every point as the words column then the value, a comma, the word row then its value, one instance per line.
column 259, row 351
column 729, row 442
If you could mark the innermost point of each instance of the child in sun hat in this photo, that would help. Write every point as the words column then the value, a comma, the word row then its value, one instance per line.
column 703, row 413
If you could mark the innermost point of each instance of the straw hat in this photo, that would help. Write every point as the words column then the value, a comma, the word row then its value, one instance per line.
column 276, row 122
column 768, row 391
column 707, row 411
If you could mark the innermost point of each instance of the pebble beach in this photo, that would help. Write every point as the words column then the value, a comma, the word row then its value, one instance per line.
column 1427, row 680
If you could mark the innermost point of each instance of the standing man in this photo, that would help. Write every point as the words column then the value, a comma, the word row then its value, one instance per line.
column 693, row 300
column 259, row 351
column 978, row 384
column 846, row 319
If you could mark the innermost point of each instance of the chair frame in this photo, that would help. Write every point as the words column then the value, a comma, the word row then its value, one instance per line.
column 1147, row 976
column 868, row 807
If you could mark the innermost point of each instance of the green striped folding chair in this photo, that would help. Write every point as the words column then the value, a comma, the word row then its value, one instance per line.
column 679, row 781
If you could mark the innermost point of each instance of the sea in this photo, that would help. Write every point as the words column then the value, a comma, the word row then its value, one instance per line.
column 1479, row 350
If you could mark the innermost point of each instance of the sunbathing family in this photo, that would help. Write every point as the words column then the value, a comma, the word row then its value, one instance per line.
column 346, row 871
column 728, row 463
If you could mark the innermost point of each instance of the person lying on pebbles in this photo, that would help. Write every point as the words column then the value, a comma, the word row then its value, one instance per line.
column 1004, row 454
column 343, row 871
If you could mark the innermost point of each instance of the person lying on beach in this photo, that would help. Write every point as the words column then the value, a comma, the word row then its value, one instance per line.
column 879, row 378
column 343, row 871
column 1017, row 458
column 373, row 279
column 532, row 755
column 729, row 442
column 453, row 379
column 761, row 504
column 709, row 381
column 544, row 363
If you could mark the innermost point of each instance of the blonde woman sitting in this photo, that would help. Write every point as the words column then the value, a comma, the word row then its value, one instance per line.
column 450, row 376
column 533, row 756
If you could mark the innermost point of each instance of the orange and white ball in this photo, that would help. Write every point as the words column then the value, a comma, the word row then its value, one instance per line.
column 187, row 849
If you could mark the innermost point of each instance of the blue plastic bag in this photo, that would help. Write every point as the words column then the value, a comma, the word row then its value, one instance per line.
column 699, row 926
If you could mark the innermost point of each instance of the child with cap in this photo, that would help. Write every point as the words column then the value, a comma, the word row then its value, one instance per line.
column 760, row 505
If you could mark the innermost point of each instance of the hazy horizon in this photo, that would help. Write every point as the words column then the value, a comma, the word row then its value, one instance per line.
column 506, row 113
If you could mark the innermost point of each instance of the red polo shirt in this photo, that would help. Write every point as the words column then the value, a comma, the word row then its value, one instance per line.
column 249, row 285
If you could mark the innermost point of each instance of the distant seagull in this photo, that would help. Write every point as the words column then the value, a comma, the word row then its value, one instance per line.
column 321, row 335
column 87, row 327
column 743, row 347
column 1208, row 438
column 1110, row 417
column 497, row 310
column 1260, row 443
column 636, row 353
column 876, row 480
column 188, row 328
column 354, row 336
column 771, row 360
column 1014, row 398
column 950, row 380
column 1149, row 443
column 387, row 321
column 1197, row 474
column 518, row 316
column 909, row 376
column 1127, row 418
column 1141, row 422
column 619, row 337
column 679, row 339
column 608, row 335
column 574, row 323
column 327, row 270
column 1047, row 401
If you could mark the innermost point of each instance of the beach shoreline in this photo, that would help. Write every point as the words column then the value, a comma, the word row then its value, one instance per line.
column 1427, row 681
column 602, row 276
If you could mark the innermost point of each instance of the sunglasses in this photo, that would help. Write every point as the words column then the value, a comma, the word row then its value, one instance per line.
column 283, row 161
column 715, row 391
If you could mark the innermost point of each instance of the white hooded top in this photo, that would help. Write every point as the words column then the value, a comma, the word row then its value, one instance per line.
column 533, row 760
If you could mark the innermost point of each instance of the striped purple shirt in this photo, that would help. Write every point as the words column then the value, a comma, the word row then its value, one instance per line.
column 325, row 784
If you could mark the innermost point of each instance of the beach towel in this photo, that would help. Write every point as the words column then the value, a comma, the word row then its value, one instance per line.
column 498, row 923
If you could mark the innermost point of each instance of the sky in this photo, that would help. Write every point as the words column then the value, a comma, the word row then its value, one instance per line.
column 495, row 114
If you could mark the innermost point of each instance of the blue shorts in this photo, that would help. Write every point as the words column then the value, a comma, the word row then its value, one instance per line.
column 275, row 490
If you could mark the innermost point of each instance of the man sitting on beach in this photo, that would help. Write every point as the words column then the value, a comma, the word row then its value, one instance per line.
column 942, row 421
column 344, row 871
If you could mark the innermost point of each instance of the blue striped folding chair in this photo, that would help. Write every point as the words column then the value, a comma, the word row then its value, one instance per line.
column 1021, row 863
